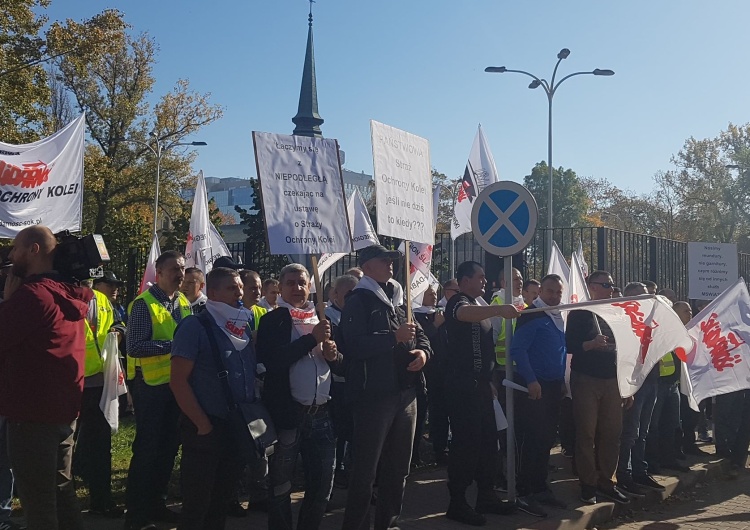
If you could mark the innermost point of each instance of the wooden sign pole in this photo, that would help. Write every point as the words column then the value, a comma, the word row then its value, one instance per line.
column 407, row 287
column 321, row 305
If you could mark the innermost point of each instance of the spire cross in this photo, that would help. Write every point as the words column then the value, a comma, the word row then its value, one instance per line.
column 310, row 17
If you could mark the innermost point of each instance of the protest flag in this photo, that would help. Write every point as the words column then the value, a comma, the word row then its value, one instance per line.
column 204, row 243
column 558, row 265
column 582, row 259
column 577, row 289
column 149, row 275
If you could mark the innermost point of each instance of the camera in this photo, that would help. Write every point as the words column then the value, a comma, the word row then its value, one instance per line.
column 79, row 258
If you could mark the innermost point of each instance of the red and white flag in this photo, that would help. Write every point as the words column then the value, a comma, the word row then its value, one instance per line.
column 577, row 289
column 420, row 258
column 720, row 361
column 480, row 172
column 204, row 243
column 149, row 275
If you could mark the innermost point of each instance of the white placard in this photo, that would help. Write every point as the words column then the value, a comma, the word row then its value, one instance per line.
column 712, row 268
column 403, row 183
column 42, row 182
column 303, row 194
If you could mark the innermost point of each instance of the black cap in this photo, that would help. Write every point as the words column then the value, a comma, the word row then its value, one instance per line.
column 227, row 262
column 109, row 277
column 376, row 251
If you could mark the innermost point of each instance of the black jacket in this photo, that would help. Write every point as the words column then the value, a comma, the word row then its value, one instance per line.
column 278, row 353
column 376, row 364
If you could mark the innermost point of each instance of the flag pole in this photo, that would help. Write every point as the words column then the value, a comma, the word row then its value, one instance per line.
column 589, row 303
column 407, row 287
column 320, row 306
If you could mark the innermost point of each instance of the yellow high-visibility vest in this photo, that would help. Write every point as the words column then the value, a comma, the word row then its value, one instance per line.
column 157, row 369
column 258, row 312
column 666, row 365
column 500, row 343
column 95, row 337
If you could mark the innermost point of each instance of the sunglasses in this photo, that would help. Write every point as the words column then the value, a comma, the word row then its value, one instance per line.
column 606, row 285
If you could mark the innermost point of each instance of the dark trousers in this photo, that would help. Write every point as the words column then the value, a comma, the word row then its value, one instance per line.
column 6, row 475
column 473, row 453
column 732, row 426
column 315, row 441
column 92, row 459
column 437, row 404
column 689, row 421
column 41, row 456
column 660, row 446
column 383, row 430
column 636, row 422
column 341, row 415
column 567, row 428
column 154, row 448
column 537, row 421
column 422, row 405
column 210, row 468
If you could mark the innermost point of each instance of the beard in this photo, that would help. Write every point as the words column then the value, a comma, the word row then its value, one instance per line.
column 19, row 270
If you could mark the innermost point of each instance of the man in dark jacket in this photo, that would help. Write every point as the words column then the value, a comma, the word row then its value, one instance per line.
column 41, row 379
column 296, row 349
column 385, row 356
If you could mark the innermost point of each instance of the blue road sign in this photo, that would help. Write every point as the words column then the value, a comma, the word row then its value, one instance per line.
column 504, row 218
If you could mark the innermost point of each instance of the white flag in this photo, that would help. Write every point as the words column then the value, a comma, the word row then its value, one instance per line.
column 420, row 255
column 577, row 289
column 114, row 382
column 362, row 232
column 218, row 246
column 480, row 172
column 720, row 361
column 199, row 237
column 42, row 182
column 582, row 259
column 149, row 275
column 558, row 265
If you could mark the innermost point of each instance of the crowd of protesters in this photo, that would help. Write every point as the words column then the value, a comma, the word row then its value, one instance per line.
column 349, row 387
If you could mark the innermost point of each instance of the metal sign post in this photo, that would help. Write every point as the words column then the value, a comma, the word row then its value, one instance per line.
column 504, row 219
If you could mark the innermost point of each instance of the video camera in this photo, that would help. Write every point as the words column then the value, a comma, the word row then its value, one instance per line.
column 79, row 258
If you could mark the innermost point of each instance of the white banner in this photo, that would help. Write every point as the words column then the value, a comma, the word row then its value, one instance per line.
column 480, row 171
column 303, row 194
column 420, row 254
column 577, row 289
column 149, row 275
column 582, row 259
column 720, row 361
column 42, row 182
column 204, row 242
column 712, row 268
column 558, row 265
column 403, row 182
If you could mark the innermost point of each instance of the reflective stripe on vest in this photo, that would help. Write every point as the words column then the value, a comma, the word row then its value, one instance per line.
column 500, row 343
column 156, row 369
column 666, row 365
column 105, row 318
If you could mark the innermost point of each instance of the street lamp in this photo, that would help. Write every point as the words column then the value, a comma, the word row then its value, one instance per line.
column 158, row 152
column 549, row 88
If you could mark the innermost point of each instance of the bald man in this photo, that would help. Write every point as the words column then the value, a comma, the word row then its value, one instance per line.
column 41, row 379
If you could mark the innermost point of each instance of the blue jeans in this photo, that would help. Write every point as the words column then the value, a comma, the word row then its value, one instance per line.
column 6, row 474
column 635, row 424
column 315, row 440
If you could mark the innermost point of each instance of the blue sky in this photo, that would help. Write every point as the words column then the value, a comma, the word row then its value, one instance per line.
column 419, row 65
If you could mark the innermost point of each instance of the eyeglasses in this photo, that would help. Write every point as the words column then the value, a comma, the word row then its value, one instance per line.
column 606, row 285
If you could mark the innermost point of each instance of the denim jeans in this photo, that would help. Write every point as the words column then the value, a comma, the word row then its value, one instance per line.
column 6, row 475
column 315, row 440
column 635, row 424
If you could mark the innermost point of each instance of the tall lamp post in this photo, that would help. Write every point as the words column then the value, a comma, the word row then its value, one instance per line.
column 161, row 148
column 550, row 87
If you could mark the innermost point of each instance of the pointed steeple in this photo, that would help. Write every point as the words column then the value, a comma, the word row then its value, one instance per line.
column 307, row 120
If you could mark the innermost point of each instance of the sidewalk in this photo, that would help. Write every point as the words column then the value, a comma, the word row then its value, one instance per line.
column 426, row 499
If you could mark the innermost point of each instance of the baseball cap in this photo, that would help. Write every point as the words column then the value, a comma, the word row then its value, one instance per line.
column 376, row 251
column 227, row 262
column 109, row 277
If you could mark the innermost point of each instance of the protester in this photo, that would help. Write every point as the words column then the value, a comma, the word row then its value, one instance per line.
column 296, row 349
column 470, row 361
column 93, row 448
column 530, row 291
column 251, row 297
column 110, row 286
column 632, row 468
column 651, row 287
column 42, row 356
column 732, row 430
column 538, row 350
column 669, row 294
column 356, row 272
column 211, row 464
column 341, row 410
column 385, row 356
column 152, row 320
column 450, row 288
column 270, row 294
column 192, row 287
column 597, row 405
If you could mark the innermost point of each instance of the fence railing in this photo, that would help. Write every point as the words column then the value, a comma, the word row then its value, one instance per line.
column 628, row 256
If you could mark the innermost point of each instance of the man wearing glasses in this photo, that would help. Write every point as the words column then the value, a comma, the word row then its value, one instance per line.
column 597, row 405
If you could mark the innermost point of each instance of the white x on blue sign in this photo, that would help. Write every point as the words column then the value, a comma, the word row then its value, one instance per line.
column 504, row 218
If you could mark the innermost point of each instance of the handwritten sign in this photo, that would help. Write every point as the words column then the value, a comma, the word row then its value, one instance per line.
column 712, row 268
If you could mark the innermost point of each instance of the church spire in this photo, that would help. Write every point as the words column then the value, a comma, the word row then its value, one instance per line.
column 307, row 120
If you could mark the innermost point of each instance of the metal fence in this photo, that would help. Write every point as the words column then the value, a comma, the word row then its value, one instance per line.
column 628, row 256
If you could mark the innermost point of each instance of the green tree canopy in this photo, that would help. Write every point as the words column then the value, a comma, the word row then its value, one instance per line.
column 570, row 202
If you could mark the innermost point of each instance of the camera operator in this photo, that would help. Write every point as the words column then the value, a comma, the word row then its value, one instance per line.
column 41, row 379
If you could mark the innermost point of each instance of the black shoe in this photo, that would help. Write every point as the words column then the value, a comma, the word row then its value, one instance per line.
column 568, row 453
column 463, row 513
column 165, row 515
column 676, row 466
column 680, row 456
column 111, row 512
column 588, row 494
column 614, row 495
column 10, row 525
column 139, row 525
column 631, row 487
column 547, row 498
column 489, row 503
column 235, row 509
column 529, row 505
column 694, row 450
column 648, row 481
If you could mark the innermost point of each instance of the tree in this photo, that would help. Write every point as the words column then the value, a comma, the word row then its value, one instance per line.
column 445, row 207
column 569, row 197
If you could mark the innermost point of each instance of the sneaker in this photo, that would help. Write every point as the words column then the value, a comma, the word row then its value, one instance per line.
column 463, row 513
column 588, row 494
column 705, row 438
column 529, row 505
column 648, row 481
column 614, row 495
column 547, row 498
column 629, row 486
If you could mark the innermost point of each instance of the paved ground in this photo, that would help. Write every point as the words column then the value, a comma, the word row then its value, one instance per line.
column 717, row 505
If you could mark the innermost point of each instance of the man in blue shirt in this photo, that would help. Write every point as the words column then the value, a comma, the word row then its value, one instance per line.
column 538, row 349
column 210, row 455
